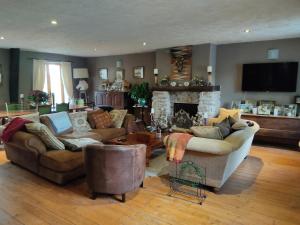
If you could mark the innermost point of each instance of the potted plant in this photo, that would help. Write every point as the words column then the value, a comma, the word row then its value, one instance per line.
column 140, row 93
column 38, row 97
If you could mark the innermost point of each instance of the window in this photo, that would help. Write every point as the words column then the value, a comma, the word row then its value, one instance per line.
column 54, row 83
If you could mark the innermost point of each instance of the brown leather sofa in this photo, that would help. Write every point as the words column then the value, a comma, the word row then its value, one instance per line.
column 59, row 166
column 114, row 169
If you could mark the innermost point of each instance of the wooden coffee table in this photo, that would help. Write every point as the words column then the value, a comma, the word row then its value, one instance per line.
column 146, row 138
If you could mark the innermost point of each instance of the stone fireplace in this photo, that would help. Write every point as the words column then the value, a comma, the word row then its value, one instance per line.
column 163, row 101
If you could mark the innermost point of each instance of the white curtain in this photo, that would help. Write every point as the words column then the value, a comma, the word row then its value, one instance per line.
column 66, row 74
column 39, row 74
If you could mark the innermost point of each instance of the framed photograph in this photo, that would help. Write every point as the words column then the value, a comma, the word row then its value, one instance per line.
column 119, row 75
column 264, row 109
column 103, row 73
column 297, row 99
column 138, row 72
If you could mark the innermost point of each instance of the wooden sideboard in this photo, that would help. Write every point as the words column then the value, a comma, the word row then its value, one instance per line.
column 115, row 99
column 276, row 129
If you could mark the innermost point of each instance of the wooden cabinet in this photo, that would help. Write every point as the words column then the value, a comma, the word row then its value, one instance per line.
column 115, row 99
column 276, row 129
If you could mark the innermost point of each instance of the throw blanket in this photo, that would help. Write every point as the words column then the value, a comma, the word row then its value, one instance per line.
column 175, row 146
column 15, row 125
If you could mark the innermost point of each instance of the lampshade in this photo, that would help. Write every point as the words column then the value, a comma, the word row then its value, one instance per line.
column 80, row 73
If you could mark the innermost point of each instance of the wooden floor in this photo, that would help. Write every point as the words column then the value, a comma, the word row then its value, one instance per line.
column 264, row 190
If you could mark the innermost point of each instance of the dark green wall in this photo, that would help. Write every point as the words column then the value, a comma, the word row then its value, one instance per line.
column 4, row 62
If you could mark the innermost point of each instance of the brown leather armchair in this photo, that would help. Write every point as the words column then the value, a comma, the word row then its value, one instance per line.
column 114, row 169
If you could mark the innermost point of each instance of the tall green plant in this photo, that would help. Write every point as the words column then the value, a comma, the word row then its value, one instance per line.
column 140, row 91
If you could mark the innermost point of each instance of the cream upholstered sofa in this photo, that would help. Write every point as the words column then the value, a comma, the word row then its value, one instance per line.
column 220, row 158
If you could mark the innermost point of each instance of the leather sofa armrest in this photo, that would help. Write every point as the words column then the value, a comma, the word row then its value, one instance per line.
column 29, row 141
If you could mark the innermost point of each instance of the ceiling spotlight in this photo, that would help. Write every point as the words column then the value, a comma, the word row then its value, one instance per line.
column 2, row 38
column 247, row 30
column 95, row 49
column 54, row 22
column 144, row 43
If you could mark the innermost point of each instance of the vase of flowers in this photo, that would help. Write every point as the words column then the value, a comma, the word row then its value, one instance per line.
column 37, row 98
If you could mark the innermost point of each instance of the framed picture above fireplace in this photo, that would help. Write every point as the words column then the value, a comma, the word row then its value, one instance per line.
column 181, row 63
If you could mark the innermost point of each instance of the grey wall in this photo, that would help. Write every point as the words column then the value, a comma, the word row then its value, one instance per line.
column 4, row 89
column 129, row 62
column 26, row 67
column 230, row 58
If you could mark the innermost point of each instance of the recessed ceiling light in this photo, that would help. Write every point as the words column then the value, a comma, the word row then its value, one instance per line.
column 54, row 22
column 247, row 30
column 2, row 38
column 144, row 43
column 95, row 49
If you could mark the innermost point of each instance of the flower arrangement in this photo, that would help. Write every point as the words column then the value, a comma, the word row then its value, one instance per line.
column 38, row 97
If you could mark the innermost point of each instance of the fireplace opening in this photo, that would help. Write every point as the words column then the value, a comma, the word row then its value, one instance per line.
column 190, row 109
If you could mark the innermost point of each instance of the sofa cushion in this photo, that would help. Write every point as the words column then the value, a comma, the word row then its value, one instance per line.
column 211, row 146
column 78, row 144
column 117, row 116
column 61, row 161
column 102, row 120
column 110, row 133
column 45, row 135
column 61, row 123
column 76, row 135
column 79, row 121
column 90, row 116
column 207, row 132
column 234, row 113
column 224, row 127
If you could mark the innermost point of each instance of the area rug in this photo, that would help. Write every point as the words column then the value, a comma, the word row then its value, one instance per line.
column 158, row 165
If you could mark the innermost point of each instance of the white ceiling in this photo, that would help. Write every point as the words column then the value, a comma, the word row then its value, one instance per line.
column 121, row 26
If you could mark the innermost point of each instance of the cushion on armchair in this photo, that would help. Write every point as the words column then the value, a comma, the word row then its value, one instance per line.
column 207, row 132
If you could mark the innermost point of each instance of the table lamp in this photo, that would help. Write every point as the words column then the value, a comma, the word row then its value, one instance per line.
column 81, row 73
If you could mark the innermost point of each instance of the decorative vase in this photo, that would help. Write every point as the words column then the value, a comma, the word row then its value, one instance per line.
column 142, row 101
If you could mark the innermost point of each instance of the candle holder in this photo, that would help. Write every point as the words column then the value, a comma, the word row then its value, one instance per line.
column 155, row 71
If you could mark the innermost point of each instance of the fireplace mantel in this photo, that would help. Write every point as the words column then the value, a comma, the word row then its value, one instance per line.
column 187, row 89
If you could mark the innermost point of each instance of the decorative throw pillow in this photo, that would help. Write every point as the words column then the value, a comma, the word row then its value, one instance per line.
column 232, row 120
column 224, row 127
column 90, row 118
column 207, row 132
column 234, row 113
column 79, row 121
column 117, row 116
column 45, row 135
column 239, row 125
column 34, row 117
column 102, row 120
column 78, row 144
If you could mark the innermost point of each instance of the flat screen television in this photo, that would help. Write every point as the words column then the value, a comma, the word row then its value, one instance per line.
column 277, row 77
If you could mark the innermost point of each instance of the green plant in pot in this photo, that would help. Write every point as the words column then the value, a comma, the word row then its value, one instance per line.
column 140, row 93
